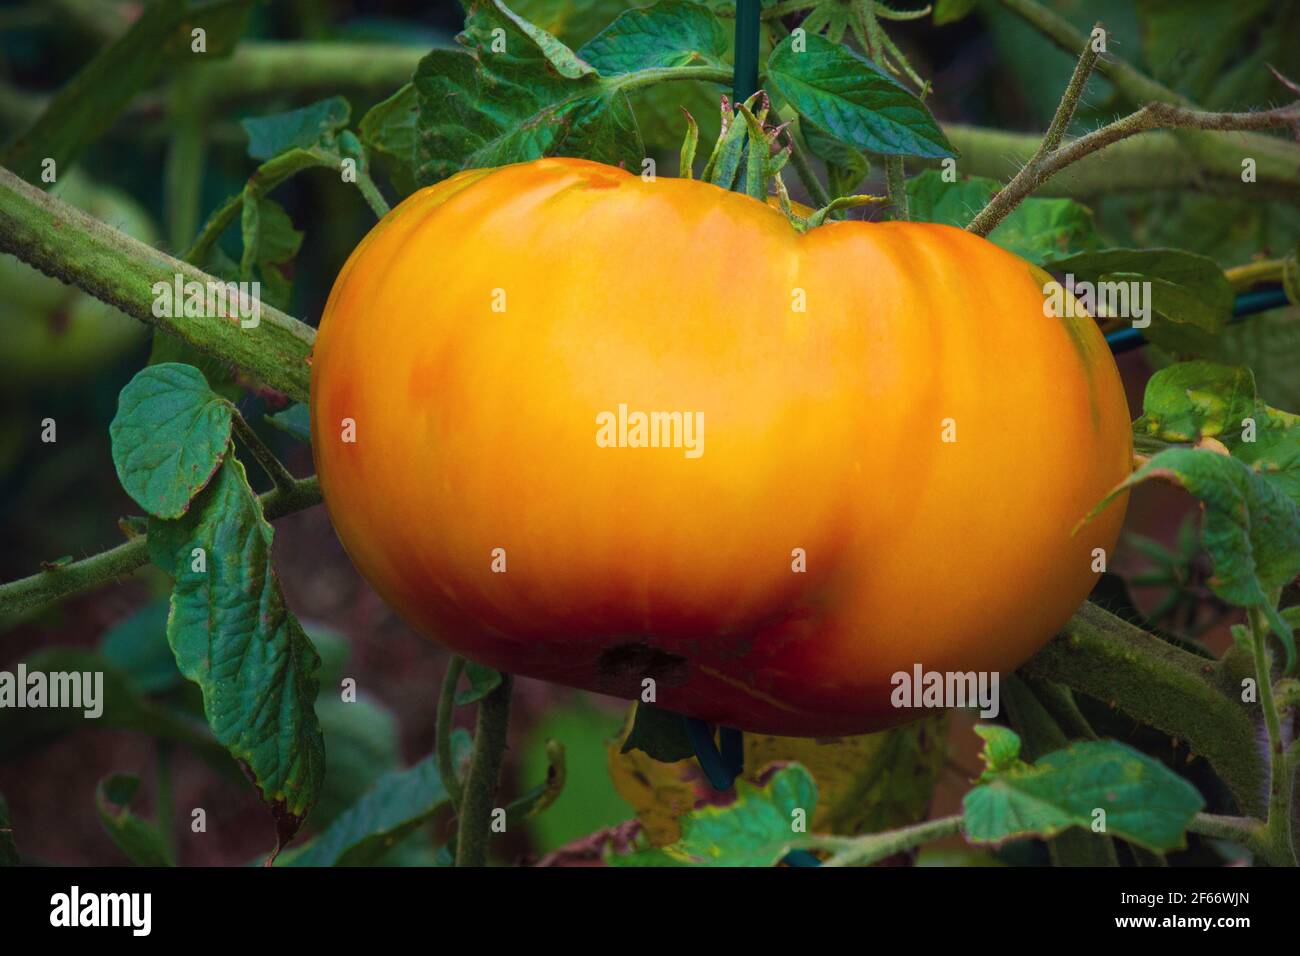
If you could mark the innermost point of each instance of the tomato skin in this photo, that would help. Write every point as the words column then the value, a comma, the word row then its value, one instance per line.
column 476, row 430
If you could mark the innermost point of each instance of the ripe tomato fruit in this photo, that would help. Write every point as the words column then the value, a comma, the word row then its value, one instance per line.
column 896, row 443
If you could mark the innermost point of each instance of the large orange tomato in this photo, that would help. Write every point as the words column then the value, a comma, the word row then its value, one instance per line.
column 870, row 450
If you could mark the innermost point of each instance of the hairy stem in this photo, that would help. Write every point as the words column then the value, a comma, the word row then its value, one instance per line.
column 807, row 175
column 897, row 184
column 442, row 732
column 1040, row 734
column 1245, row 831
column 1278, row 829
column 256, row 68
column 1152, row 116
column 274, row 468
column 874, row 847
column 29, row 593
column 478, row 801
column 62, row 241
column 660, row 74
column 373, row 197
column 1060, row 703
column 1281, row 157
column 183, row 168
column 1182, row 694
column 1157, row 161
column 1070, row 101
column 164, row 795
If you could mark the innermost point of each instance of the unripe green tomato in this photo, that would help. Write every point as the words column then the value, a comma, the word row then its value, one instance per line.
column 54, row 333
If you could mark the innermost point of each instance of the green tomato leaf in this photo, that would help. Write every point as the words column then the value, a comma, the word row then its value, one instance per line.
column 363, row 746
column 1268, row 344
column 755, row 830
column 1192, row 400
column 670, row 33
column 294, row 420
column 1195, row 62
column 1275, row 452
column 233, row 635
column 8, row 849
column 846, row 166
column 513, row 94
column 137, row 646
column 390, row 130
column 482, row 681
column 138, row 838
column 1251, row 529
column 1036, row 230
column 1144, row 801
column 659, row 734
column 270, row 244
column 169, row 436
column 1185, row 288
column 395, row 807
column 278, row 241
column 854, row 100
column 1001, row 749
column 314, row 125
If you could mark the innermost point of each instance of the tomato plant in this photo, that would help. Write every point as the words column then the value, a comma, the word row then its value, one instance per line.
column 740, row 422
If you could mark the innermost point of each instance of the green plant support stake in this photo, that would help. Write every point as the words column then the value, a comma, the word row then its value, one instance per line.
column 745, row 77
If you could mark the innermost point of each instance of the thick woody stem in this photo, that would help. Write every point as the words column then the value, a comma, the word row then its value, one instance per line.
column 62, row 241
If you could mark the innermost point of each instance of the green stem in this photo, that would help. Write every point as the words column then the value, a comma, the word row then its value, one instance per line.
column 1185, row 695
column 667, row 74
column 1134, row 84
column 62, row 241
column 1040, row 734
column 1060, row 703
column 164, row 795
column 478, row 802
column 44, row 587
column 803, row 169
column 442, row 733
column 1152, row 116
column 1070, row 100
column 274, row 468
column 257, row 68
column 897, row 184
column 874, row 847
column 1281, row 777
column 1244, row 831
column 1244, row 276
column 1282, row 158
column 183, row 168
column 29, row 593
column 264, row 179
column 374, row 198
column 1155, row 161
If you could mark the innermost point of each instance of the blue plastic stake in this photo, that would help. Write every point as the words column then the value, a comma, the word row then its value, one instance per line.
column 1247, row 303
column 718, row 768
